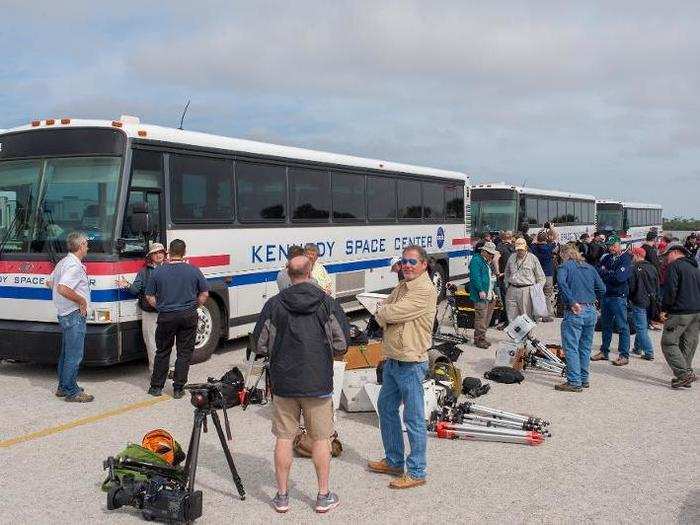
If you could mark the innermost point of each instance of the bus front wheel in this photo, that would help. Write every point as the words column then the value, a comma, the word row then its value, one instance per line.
column 208, row 331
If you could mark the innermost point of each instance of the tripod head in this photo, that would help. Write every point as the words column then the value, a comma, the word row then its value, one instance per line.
column 206, row 396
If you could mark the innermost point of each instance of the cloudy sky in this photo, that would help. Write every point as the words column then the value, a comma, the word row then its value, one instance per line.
column 595, row 97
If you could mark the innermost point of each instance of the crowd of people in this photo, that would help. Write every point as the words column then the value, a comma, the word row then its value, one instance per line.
column 655, row 286
column 302, row 328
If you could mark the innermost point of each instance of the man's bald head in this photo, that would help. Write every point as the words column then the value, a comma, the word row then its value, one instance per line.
column 299, row 269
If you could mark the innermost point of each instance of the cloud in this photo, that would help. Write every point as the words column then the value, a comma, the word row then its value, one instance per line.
column 596, row 97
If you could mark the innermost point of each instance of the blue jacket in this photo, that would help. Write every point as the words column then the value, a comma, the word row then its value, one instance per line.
column 579, row 283
column 545, row 253
column 616, row 272
column 478, row 277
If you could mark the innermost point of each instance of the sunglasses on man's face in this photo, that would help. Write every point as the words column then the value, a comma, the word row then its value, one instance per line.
column 410, row 262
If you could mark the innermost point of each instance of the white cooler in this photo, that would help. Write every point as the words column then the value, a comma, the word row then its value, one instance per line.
column 354, row 397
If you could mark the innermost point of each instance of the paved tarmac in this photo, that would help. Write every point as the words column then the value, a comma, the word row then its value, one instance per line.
column 626, row 450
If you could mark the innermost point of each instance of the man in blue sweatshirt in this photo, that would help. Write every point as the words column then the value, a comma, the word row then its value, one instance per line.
column 615, row 269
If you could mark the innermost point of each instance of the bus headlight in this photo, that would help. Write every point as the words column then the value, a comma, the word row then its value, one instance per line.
column 103, row 316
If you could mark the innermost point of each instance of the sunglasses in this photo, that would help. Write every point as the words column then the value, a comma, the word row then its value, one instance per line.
column 411, row 262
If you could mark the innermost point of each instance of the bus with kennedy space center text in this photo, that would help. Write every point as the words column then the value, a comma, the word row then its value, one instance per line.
column 238, row 205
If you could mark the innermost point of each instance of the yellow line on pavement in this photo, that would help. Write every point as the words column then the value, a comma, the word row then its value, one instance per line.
column 82, row 421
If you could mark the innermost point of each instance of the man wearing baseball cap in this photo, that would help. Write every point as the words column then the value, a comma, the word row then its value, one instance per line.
column 615, row 268
column 682, row 302
column 481, row 291
column 523, row 271
column 149, row 316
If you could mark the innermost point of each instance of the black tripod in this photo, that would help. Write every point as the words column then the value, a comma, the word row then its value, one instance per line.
column 200, row 422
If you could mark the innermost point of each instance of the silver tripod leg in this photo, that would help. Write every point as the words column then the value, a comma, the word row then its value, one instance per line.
column 489, row 430
column 547, row 352
column 502, row 414
column 489, row 421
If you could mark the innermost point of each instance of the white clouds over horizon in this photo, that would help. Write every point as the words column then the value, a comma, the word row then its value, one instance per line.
column 598, row 97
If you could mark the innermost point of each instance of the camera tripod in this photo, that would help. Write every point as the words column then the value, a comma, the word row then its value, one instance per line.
column 252, row 394
column 200, row 423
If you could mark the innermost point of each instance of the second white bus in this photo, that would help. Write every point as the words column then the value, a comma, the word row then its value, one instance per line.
column 499, row 207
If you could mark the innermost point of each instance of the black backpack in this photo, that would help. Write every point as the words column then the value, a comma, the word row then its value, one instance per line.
column 505, row 374
column 232, row 384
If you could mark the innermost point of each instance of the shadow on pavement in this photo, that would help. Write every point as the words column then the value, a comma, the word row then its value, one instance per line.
column 625, row 372
column 44, row 376
column 690, row 510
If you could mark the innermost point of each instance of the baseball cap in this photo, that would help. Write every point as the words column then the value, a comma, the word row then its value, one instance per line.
column 639, row 251
column 613, row 239
column 520, row 244
column 676, row 246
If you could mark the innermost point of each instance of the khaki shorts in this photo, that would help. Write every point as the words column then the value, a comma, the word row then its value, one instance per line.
column 318, row 416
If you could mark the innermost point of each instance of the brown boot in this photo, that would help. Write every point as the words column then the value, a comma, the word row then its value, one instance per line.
column 80, row 397
column 568, row 387
column 600, row 356
column 382, row 467
column 621, row 361
column 407, row 482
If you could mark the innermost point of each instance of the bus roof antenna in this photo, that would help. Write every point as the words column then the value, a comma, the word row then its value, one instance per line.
column 184, row 112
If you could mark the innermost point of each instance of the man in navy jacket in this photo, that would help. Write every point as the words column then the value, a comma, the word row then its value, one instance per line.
column 615, row 269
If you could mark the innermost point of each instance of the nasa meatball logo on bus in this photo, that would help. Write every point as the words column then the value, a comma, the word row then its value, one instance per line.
column 440, row 237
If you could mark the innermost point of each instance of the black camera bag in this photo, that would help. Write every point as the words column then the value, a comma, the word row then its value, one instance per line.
column 228, row 394
column 504, row 374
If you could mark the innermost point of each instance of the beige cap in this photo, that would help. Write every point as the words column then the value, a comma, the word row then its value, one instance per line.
column 489, row 247
column 155, row 247
column 520, row 244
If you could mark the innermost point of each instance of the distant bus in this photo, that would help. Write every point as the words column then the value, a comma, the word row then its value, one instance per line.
column 499, row 207
column 630, row 220
column 238, row 205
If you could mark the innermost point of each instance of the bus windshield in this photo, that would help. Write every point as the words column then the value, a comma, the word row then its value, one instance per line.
column 493, row 215
column 42, row 201
column 609, row 220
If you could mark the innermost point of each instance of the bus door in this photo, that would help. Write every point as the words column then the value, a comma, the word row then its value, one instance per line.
column 134, row 242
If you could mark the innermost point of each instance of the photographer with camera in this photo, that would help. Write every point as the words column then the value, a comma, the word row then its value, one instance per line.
column 301, row 329
column 175, row 289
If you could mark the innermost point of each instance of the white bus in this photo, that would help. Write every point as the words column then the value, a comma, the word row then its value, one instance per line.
column 630, row 220
column 237, row 204
column 500, row 207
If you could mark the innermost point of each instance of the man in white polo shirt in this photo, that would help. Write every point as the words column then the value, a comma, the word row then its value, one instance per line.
column 71, row 295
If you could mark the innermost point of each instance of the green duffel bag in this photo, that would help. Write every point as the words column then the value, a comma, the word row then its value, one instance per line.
column 141, row 464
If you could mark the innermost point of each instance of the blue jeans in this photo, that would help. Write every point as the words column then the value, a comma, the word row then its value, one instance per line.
column 614, row 312
column 403, row 383
column 72, row 348
column 642, row 341
column 577, row 339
